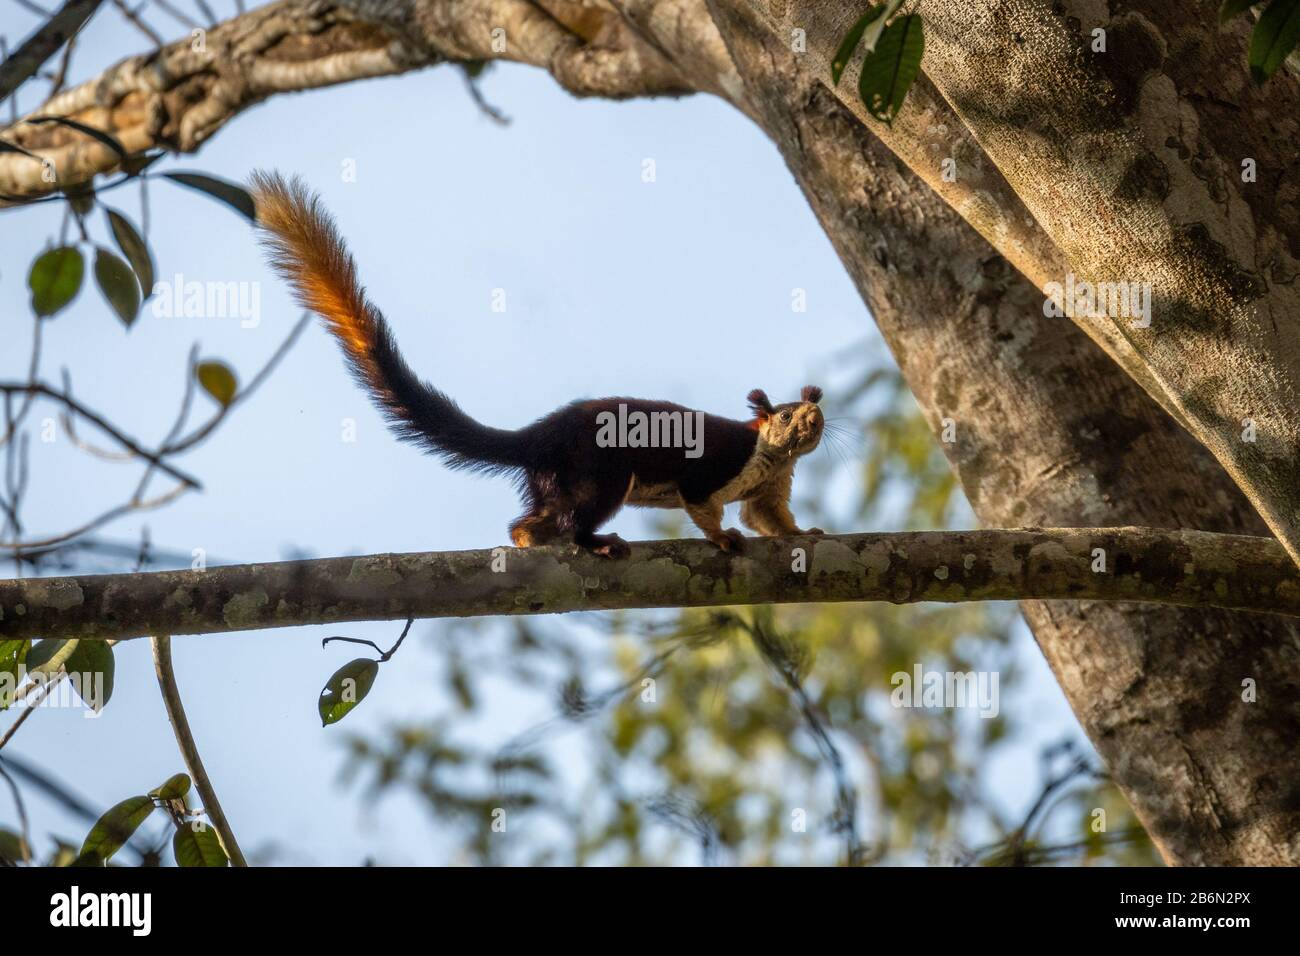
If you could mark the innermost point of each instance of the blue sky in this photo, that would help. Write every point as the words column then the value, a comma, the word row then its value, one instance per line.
column 677, row 289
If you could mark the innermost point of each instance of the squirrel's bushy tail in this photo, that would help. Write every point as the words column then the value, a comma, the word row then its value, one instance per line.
column 306, row 249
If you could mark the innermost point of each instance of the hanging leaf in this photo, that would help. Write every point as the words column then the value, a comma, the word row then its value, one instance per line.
column 851, row 41
column 55, row 279
column 1275, row 36
column 48, row 655
column 176, row 787
column 134, row 248
column 91, row 668
column 13, row 656
column 229, row 193
column 197, row 845
column 888, row 72
column 118, row 283
column 218, row 381
column 347, row 688
column 114, row 828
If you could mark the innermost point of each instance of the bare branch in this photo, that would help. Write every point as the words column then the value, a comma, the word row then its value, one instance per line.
column 1189, row 568
column 138, row 22
column 43, row 44
column 40, row 388
column 162, row 662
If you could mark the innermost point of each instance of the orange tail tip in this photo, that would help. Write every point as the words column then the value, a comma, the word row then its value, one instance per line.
column 305, row 248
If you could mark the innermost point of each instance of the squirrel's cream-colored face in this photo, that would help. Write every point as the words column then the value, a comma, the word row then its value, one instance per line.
column 792, row 429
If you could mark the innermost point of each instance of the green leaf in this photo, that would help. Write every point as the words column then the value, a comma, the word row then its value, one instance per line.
column 115, row 827
column 218, row 381
column 48, row 655
column 119, row 285
column 197, row 845
column 55, row 279
column 176, row 787
column 229, row 193
column 1231, row 8
column 889, row 71
column 1275, row 36
column 13, row 656
column 133, row 247
column 87, row 660
column 851, row 41
column 347, row 688
column 13, row 848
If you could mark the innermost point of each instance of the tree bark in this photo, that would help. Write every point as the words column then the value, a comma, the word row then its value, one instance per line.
column 1154, row 130
column 1049, row 431
column 1106, row 564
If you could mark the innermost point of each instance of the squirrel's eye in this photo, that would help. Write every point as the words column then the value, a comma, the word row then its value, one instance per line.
column 785, row 416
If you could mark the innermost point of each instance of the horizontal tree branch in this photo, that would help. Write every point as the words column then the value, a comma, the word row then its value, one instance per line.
column 1189, row 568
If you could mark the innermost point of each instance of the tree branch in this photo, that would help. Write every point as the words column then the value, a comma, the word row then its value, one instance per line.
column 177, row 96
column 1189, row 568
column 162, row 662
column 42, row 44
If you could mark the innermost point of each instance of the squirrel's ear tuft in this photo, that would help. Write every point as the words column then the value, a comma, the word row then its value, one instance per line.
column 760, row 403
column 811, row 393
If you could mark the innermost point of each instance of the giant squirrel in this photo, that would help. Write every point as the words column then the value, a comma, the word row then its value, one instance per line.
column 571, row 482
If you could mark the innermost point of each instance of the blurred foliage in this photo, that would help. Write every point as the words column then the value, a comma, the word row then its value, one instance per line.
column 755, row 735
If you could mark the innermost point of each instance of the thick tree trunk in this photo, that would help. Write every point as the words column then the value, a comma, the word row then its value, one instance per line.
column 1149, row 122
column 1049, row 431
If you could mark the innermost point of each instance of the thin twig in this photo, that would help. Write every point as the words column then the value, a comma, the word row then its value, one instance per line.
column 182, row 416
column 61, row 74
column 202, row 432
column 110, row 515
column 162, row 661
column 176, row 14
column 40, row 388
column 44, row 688
column 134, row 18
column 487, row 109
column 384, row 655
